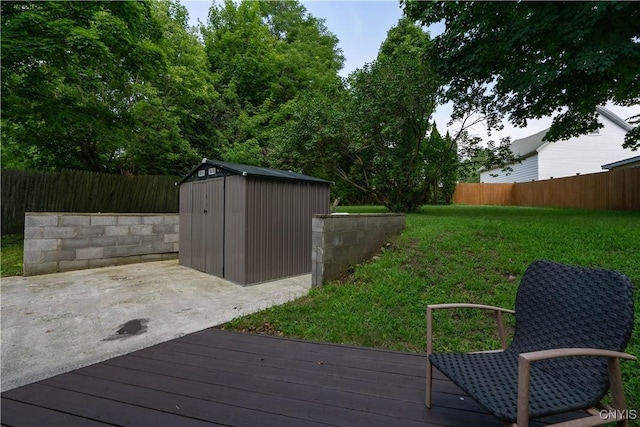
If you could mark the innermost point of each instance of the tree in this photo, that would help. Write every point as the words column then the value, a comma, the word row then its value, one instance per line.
column 442, row 167
column 263, row 56
column 529, row 60
column 371, row 131
column 85, row 86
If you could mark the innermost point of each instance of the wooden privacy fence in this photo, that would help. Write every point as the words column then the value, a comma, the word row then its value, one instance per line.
column 80, row 191
column 618, row 189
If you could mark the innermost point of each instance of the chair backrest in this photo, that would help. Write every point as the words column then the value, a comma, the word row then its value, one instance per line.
column 562, row 306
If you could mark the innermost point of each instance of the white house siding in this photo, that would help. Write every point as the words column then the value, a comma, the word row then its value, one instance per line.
column 522, row 172
column 583, row 155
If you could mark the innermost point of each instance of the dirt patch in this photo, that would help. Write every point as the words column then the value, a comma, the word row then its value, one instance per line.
column 265, row 329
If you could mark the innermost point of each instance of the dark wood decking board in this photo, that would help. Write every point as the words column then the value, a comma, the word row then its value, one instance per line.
column 216, row 377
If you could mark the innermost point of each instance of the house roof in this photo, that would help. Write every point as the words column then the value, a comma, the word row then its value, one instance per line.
column 619, row 163
column 248, row 170
column 614, row 118
column 529, row 145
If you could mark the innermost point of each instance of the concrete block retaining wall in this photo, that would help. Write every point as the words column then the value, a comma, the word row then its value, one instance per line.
column 339, row 241
column 71, row 241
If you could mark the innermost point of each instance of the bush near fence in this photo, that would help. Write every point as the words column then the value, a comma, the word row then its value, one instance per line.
column 81, row 191
column 618, row 189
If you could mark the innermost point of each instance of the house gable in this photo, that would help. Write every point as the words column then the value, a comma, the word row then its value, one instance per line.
column 574, row 156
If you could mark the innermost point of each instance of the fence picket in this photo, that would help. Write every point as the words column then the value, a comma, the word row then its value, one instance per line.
column 618, row 189
column 81, row 191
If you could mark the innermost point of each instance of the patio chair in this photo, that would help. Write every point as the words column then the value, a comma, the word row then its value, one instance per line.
column 571, row 326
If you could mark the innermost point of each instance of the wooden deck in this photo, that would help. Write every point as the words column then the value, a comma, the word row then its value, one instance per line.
column 216, row 377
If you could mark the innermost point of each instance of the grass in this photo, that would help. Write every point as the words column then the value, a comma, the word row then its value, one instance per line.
column 457, row 254
column 446, row 254
column 11, row 255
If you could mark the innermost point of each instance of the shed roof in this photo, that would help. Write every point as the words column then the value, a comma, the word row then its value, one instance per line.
column 625, row 162
column 248, row 170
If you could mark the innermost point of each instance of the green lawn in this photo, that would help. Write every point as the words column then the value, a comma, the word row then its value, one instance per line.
column 11, row 255
column 458, row 254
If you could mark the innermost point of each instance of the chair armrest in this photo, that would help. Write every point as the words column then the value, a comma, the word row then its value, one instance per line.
column 524, row 374
column 498, row 312
column 465, row 305
column 556, row 353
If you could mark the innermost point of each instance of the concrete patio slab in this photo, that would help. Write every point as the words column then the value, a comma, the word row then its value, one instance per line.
column 59, row 322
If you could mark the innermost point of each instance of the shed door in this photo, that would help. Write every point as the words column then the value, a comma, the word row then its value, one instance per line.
column 207, row 228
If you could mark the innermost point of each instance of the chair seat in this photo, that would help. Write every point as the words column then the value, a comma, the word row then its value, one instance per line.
column 492, row 380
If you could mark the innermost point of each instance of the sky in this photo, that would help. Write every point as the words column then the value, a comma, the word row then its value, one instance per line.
column 361, row 27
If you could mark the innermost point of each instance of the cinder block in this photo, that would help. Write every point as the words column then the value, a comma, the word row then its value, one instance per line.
column 91, row 231
column 362, row 235
column 373, row 222
column 317, row 238
column 116, row 230
column 40, row 268
column 128, row 260
column 176, row 247
column 142, row 250
column 171, row 219
column 158, row 248
column 89, row 253
column 110, row 252
column 59, row 232
column 33, row 233
column 151, row 238
column 40, row 220
column 74, row 265
column 124, row 251
column 349, row 237
column 152, row 219
column 141, row 229
column 171, row 238
column 327, row 253
column 103, row 220
column 32, row 257
column 102, row 262
column 169, row 255
column 128, row 240
column 163, row 228
column 103, row 241
column 335, row 238
column 41, row 244
column 317, row 224
column 74, row 220
column 129, row 220
column 342, row 223
column 74, row 243
column 59, row 255
column 331, row 272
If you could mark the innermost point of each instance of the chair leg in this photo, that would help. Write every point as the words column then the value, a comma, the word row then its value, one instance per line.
column 617, row 392
column 427, row 401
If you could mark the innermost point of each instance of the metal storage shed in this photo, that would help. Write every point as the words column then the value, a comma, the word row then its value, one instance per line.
column 248, row 224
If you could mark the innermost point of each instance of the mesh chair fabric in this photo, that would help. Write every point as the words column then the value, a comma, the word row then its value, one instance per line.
column 557, row 306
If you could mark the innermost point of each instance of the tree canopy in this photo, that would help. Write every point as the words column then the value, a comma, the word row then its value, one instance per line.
column 131, row 88
column 86, row 86
column 526, row 60
column 372, row 130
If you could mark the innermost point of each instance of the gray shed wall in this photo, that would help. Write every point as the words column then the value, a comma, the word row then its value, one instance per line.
column 235, row 233
column 279, row 214
column 186, row 210
column 267, row 227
